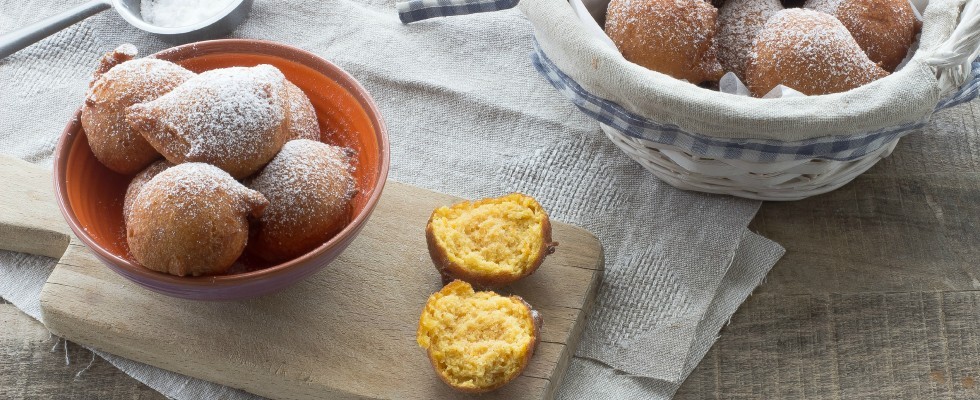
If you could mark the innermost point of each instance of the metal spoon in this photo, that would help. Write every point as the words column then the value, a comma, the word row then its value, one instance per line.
column 218, row 25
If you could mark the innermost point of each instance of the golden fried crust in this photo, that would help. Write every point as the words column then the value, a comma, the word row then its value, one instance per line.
column 118, row 83
column 139, row 181
column 450, row 270
column 810, row 52
column 233, row 118
column 674, row 37
column 191, row 219
column 739, row 21
column 460, row 288
column 302, row 116
column 885, row 29
column 309, row 186
column 121, row 54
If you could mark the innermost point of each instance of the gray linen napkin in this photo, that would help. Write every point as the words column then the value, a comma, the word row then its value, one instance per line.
column 468, row 116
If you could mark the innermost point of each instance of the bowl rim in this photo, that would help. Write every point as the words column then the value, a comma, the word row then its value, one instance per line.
column 136, row 20
column 253, row 46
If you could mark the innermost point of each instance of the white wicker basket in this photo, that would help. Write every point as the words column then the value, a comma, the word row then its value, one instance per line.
column 801, row 177
column 793, row 179
column 786, row 180
column 782, row 149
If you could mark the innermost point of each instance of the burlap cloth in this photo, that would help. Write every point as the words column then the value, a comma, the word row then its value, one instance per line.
column 468, row 115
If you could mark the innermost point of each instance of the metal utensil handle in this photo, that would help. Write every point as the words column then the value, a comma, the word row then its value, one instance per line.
column 11, row 42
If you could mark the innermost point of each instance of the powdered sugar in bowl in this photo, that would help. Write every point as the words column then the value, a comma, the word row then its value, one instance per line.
column 182, row 21
column 91, row 196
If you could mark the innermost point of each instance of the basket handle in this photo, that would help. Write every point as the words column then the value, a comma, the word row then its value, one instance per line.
column 418, row 10
column 953, row 58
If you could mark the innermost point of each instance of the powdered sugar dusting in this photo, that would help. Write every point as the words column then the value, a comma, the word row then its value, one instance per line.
column 674, row 37
column 305, row 175
column 885, row 29
column 137, row 81
column 739, row 21
column 302, row 116
column 808, row 51
column 191, row 219
column 140, row 180
column 309, row 184
column 825, row 6
column 125, row 52
column 231, row 117
column 113, row 141
column 186, row 184
column 127, row 49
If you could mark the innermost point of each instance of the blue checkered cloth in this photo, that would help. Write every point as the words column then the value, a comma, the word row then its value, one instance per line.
column 844, row 147
column 418, row 10
column 841, row 147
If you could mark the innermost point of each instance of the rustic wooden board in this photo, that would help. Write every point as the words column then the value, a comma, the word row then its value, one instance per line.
column 30, row 221
column 25, row 342
column 873, row 298
column 346, row 332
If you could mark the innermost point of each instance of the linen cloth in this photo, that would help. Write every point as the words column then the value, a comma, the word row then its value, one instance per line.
column 904, row 97
column 625, row 99
column 469, row 116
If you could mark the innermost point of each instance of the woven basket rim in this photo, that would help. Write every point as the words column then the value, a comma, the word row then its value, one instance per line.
column 733, row 117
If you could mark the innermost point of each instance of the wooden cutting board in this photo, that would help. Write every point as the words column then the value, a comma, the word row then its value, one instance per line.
column 348, row 331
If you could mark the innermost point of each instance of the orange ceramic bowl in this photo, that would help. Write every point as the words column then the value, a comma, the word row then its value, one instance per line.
column 91, row 196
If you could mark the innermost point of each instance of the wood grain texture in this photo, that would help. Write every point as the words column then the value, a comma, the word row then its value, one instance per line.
column 878, row 295
column 346, row 332
column 873, row 298
column 32, row 366
column 911, row 223
column 902, row 345
column 30, row 221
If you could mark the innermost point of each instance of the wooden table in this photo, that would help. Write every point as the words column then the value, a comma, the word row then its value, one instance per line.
column 878, row 295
